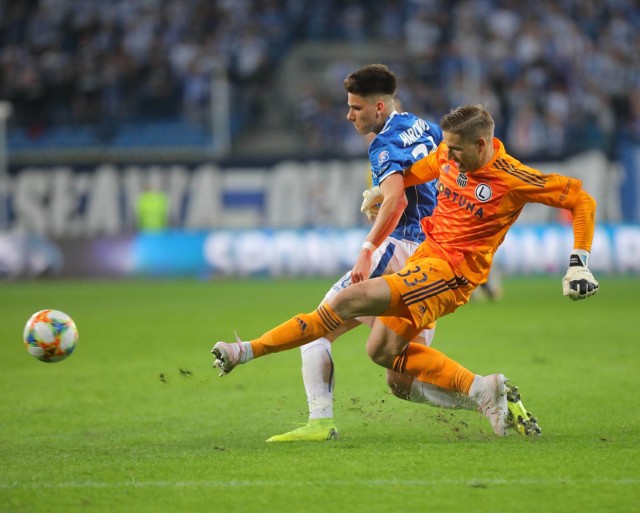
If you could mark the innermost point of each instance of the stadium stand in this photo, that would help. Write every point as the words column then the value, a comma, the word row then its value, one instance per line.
column 560, row 76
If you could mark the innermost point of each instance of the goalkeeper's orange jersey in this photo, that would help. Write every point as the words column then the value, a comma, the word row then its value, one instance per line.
column 476, row 209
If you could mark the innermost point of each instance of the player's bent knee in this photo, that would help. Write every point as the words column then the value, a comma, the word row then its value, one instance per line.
column 378, row 355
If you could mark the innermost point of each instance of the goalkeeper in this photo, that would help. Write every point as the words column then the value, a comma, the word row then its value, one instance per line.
column 482, row 191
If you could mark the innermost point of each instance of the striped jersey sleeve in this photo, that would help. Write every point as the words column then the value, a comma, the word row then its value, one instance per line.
column 475, row 210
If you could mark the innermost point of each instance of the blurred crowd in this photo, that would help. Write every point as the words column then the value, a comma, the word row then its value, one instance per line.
column 108, row 61
column 559, row 75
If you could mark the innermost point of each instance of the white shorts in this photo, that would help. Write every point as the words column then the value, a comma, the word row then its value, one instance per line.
column 390, row 257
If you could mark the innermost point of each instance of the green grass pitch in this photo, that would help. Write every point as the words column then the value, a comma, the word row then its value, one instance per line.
column 136, row 420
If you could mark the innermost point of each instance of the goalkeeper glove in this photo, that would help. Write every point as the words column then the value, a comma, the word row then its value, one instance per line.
column 579, row 283
column 371, row 199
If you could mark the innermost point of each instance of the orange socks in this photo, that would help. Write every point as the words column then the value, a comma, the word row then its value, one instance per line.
column 432, row 366
column 297, row 331
column 424, row 363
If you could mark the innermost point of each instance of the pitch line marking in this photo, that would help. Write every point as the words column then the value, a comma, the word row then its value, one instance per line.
column 362, row 482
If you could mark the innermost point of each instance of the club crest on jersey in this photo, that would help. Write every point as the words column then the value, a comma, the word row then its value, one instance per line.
column 483, row 192
column 462, row 180
column 383, row 157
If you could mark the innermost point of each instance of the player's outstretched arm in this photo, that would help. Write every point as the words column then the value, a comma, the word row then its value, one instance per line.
column 578, row 282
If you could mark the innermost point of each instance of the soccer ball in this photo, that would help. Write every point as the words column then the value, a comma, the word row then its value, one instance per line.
column 50, row 335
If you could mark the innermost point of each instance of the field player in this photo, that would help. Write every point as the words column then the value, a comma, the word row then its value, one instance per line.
column 482, row 191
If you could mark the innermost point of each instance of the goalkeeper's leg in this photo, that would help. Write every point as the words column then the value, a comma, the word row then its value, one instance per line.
column 410, row 389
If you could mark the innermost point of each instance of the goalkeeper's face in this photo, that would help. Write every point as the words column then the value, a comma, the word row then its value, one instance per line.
column 366, row 114
column 469, row 155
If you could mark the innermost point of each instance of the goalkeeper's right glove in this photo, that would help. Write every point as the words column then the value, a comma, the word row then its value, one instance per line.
column 579, row 283
column 371, row 199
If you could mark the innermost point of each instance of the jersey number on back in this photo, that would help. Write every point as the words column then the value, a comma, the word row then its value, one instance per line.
column 421, row 150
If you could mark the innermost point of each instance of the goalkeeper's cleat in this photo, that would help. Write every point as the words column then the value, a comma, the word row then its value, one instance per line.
column 229, row 355
column 316, row 430
column 490, row 394
column 518, row 417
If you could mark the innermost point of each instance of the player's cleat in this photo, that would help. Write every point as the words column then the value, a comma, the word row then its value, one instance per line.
column 229, row 355
column 518, row 417
column 316, row 430
column 490, row 393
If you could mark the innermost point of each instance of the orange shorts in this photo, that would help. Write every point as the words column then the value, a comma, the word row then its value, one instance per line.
column 425, row 290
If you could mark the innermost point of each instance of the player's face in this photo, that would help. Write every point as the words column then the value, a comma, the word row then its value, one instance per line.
column 466, row 154
column 365, row 113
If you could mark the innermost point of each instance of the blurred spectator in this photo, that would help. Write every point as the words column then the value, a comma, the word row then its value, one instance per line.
column 628, row 151
column 152, row 210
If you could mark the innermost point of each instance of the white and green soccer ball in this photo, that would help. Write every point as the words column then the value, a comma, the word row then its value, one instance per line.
column 50, row 335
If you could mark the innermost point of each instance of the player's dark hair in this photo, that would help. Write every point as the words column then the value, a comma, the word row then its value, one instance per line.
column 372, row 79
column 469, row 122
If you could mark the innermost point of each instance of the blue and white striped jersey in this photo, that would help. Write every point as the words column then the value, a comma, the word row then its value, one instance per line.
column 404, row 139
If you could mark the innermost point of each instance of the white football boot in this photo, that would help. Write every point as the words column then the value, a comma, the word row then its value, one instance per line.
column 228, row 355
column 490, row 394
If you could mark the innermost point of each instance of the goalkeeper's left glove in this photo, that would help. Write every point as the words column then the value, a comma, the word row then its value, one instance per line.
column 371, row 199
column 579, row 283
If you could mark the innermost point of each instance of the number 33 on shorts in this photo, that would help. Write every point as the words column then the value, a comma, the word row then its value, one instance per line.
column 416, row 274
column 429, row 290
